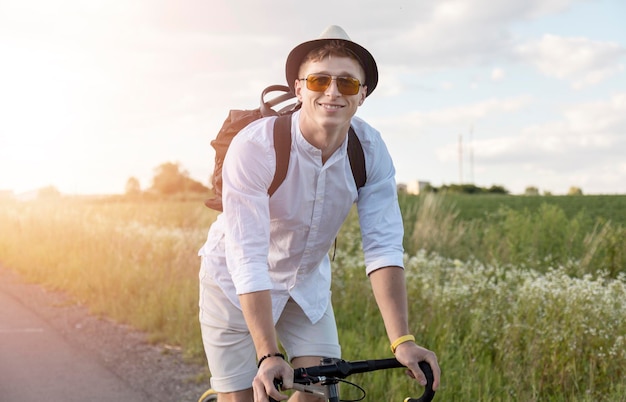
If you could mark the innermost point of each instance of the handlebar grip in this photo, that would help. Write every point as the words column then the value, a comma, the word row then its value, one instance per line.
column 279, row 385
column 429, row 393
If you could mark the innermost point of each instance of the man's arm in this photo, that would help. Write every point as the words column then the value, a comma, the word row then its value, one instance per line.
column 257, row 311
column 389, row 289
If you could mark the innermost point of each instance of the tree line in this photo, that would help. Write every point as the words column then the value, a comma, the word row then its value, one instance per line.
column 494, row 189
column 169, row 179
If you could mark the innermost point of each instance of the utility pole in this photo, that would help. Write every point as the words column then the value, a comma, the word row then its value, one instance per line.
column 471, row 153
column 460, row 158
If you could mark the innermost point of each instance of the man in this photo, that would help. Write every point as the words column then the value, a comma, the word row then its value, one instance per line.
column 265, row 274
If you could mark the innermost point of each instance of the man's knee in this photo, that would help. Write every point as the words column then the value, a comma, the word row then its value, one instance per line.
column 302, row 397
column 306, row 361
column 238, row 396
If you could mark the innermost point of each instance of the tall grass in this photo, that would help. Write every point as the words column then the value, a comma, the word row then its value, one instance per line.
column 608, row 207
column 134, row 262
column 503, row 330
column 543, row 239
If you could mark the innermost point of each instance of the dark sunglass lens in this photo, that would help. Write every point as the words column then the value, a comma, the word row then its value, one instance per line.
column 318, row 82
column 348, row 85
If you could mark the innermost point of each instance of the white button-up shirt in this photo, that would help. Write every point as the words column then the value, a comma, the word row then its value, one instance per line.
column 281, row 243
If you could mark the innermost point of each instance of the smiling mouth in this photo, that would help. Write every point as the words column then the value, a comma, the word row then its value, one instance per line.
column 330, row 107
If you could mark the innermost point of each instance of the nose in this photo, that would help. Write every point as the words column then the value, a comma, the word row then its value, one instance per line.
column 333, row 89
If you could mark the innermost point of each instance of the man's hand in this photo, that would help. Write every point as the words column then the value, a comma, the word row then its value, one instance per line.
column 263, row 384
column 410, row 354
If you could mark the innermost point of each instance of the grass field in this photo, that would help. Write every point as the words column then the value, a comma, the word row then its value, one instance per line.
column 504, row 328
column 535, row 232
column 604, row 207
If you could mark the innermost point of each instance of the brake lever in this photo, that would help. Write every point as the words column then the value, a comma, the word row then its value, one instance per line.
column 309, row 388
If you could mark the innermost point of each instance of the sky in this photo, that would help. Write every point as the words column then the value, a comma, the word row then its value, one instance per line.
column 515, row 93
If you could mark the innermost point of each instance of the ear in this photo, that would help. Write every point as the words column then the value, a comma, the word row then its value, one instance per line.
column 297, row 87
column 363, row 95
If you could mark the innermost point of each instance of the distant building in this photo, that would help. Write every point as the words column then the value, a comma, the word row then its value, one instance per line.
column 416, row 187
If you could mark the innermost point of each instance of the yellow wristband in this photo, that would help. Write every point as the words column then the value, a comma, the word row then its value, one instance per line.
column 400, row 341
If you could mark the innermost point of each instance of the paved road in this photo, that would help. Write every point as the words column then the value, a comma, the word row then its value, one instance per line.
column 38, row 364
column 59, row 353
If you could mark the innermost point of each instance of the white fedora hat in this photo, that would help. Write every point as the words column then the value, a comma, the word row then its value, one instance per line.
column 332, row 33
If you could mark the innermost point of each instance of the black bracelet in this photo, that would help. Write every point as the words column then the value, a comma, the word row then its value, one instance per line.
column 282, row 356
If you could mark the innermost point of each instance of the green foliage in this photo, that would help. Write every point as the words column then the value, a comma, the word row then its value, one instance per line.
column 501, row 332
column 431, row 225
column 531, row 190
column 594, row 207
column 48, row 192
column 133, row 187
column 505, row 327
column 170, row 179
column 135, row 262
column 466, row 189
column 541, row 238
column 508, row 333
column 575, row 191
column 495, row 189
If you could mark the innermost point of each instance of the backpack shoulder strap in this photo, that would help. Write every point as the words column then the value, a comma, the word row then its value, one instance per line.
column 282, row 147
column 357, row 159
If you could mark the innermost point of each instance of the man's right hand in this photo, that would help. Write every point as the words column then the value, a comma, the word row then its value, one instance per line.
column 272, row 368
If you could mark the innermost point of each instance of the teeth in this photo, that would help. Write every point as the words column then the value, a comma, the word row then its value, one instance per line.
column 331, row 106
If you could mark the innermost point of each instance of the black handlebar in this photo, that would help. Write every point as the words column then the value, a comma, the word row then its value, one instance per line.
column 429, row 392
column 342, row 369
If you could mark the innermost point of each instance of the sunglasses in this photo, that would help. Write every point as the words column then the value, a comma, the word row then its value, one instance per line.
column 320, row 82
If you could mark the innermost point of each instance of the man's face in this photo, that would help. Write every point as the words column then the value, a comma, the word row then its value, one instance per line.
column 330, row 108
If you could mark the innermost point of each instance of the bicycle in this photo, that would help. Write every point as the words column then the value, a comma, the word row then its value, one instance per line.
column 323, row 380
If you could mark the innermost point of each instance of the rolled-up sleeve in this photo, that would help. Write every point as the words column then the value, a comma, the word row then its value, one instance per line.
column 380, row 219
column 248, row 169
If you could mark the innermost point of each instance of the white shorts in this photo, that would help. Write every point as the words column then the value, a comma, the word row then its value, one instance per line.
column 229, row 348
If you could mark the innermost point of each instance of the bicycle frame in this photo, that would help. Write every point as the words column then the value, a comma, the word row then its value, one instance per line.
column 323, row 380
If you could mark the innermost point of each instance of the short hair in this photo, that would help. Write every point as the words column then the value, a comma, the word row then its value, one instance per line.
column 332, row 48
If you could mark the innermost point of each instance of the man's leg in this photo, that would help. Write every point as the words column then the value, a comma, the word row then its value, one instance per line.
column 227, row 343
column 239, row 396
column 305, row 361
column 305, row 342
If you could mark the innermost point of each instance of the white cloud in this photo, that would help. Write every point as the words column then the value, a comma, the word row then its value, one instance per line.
column 127, row 74
column 452, row 33
column 599, row 117
column 446, row 85
column 579, row 60
column 497, row 74
column 586, row 146
column 465, row 114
